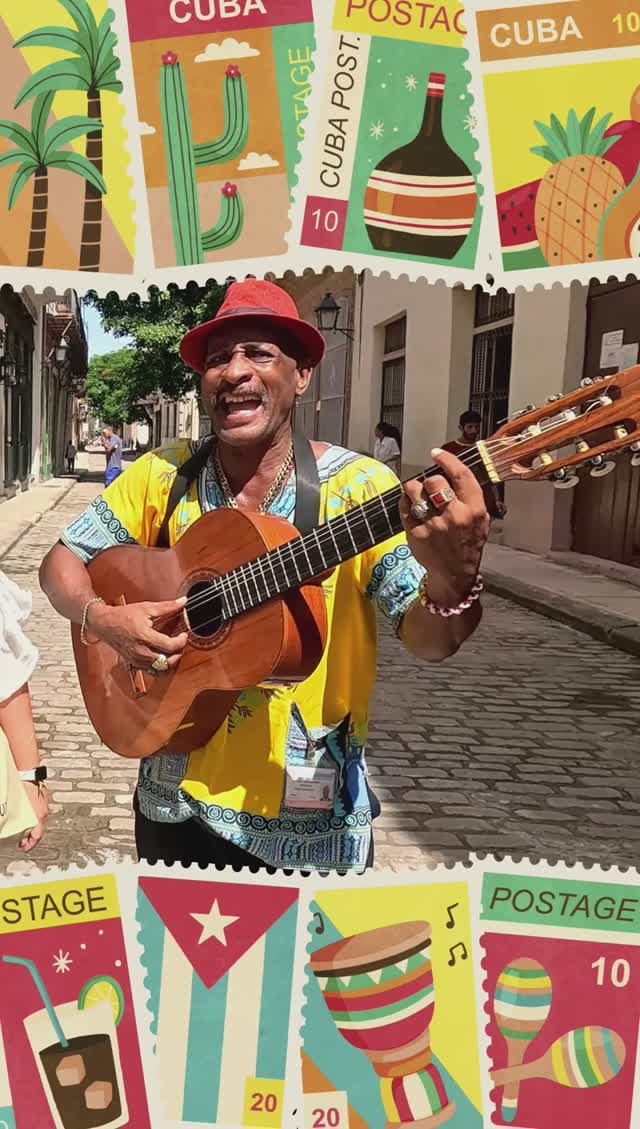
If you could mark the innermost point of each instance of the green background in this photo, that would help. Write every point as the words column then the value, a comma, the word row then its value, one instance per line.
column 294, row 38
column 401, row 111
column 613, row 892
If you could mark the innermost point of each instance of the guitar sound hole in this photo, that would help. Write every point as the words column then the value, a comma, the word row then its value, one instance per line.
column 204, row 609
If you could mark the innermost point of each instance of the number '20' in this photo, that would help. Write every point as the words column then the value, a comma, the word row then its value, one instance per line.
column 264, row 1103
column 326, row 1118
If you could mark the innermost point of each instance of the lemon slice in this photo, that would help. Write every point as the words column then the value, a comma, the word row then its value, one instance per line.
column 100, row 990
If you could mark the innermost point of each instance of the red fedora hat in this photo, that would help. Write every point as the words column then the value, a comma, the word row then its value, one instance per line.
column 255, row 299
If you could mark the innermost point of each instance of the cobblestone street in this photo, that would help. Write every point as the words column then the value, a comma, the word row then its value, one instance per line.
column 527, row 742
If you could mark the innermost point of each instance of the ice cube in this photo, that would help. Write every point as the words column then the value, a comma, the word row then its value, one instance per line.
column 98, row 1095
column 71, row 1071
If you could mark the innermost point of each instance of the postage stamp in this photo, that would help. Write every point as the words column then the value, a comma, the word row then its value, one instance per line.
column 562, row 990
column 221, row 91
column 69, row 1049
column 391, row 1018
column 560, row 136
column 390, row 178
column 66, row 184
column 219, row 961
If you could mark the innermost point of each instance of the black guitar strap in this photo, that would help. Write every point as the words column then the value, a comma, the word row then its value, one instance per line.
column 307, row 485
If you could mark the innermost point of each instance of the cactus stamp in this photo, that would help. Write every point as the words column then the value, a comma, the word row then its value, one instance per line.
column 221, row 93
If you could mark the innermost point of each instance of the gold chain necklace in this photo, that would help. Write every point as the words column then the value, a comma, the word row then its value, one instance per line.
column 272, row 492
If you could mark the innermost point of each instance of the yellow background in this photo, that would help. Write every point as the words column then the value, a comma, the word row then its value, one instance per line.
column 515, row 99
column 22, row 16
column 359, row 21
column 454, row 1027
column 104, row 883
column 262, row 1118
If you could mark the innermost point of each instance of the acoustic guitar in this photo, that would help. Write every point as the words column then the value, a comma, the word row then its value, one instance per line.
column 255, row 611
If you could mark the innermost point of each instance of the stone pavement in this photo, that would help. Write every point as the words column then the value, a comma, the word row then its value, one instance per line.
column 596, row 596
column 526, row 742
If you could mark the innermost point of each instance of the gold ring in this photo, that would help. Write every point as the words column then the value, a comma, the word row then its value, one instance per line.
column 161, row 664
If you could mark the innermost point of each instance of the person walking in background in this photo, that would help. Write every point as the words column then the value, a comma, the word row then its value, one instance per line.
column 70, row 456
column 18, row 658
column 386, row 448
column 112, row 444
column 470, row 433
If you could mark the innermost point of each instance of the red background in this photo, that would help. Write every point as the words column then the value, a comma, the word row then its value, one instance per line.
column 151, row 19
column 577, row 1002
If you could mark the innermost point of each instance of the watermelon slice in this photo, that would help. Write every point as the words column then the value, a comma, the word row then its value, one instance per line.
column 516, row 216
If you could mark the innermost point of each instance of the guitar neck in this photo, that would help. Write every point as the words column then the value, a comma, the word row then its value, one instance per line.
column 308, row 557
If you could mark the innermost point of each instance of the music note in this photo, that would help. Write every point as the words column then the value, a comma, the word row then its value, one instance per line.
column 452, row 953
column 450, row 917
column 320, row 926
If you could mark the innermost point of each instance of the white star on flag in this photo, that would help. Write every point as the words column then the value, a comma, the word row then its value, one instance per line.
column 213, row 924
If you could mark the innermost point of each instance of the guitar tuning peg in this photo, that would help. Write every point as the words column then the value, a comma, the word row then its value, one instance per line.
column 524, row 411
column 600, row 468
column 552, row 399
column 587, row 382
column 564, row 481
column 635, row 458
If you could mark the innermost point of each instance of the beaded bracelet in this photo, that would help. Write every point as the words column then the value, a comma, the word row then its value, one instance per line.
column 429, row 605
column 83, row 628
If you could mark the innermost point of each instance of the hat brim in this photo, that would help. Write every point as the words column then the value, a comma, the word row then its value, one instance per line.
column 194, row 345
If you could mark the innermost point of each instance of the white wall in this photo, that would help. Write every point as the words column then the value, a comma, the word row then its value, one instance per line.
column 548, row 357
column 428, row 364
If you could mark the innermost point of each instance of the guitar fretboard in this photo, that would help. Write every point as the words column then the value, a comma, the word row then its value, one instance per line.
column 304, row 558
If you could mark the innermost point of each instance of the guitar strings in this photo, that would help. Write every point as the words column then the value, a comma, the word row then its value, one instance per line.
column 228, row 585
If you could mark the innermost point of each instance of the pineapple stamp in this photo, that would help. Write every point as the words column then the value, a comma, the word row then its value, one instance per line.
column 561, row 131
column 390, row 177
column 221, row 92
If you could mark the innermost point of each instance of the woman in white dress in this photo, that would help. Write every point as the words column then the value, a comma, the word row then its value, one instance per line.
column 386, row 448
column 18, row 658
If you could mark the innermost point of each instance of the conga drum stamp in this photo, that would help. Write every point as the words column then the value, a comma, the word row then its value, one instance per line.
column 218, row 958
column 562, row 990
column 70, row 1053
column 390, row 1033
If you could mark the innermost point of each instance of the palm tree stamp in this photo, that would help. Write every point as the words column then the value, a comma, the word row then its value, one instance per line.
column 60, row 112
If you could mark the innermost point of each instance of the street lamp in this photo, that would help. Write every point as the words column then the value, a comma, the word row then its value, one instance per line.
column 328, row 316
column 62, row 348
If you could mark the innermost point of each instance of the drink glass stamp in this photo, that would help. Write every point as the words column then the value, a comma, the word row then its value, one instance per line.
column 391, row 174
column 221, row 88
column 560, row 127
column 219, row 961
column 562, row 992
column 70, row 1055
column 390, row 1034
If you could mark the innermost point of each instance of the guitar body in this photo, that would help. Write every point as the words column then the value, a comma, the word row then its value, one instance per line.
column 281, row 641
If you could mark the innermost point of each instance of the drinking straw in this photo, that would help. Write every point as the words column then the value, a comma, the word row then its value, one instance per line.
column 44, row 996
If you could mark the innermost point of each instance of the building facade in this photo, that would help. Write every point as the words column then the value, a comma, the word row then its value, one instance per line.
column 43, row 366
column 422, row 354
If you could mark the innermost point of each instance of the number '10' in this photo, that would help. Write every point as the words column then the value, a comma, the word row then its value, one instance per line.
column 630, row 21
column 619, row 973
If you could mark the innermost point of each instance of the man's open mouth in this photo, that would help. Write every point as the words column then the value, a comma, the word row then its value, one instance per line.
column 240, row 406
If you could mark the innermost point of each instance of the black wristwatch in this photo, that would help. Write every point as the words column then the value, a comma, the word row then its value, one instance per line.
column 34, row 775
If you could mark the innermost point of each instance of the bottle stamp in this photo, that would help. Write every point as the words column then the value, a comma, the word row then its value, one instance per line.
column 390, row 178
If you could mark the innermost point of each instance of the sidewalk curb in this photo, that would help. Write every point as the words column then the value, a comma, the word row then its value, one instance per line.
column 607, row 627
column 37, row 517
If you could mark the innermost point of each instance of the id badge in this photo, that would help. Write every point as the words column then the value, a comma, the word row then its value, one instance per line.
column 310, row 787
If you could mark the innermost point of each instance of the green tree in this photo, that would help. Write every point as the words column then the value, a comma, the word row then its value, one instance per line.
column 154, row 327
column 92, row 67
column 36, row 151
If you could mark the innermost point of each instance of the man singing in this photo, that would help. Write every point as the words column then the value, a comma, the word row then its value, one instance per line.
column 243, row 799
